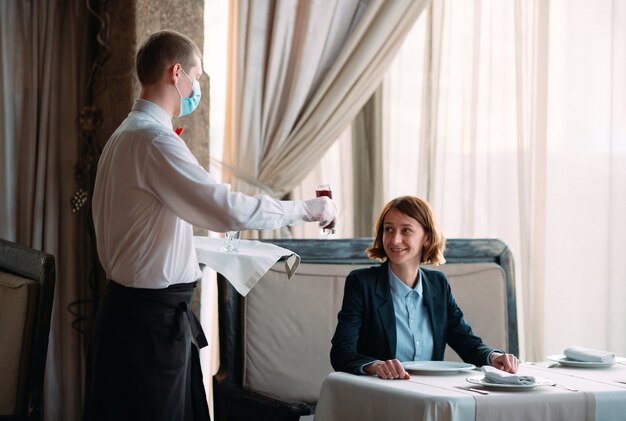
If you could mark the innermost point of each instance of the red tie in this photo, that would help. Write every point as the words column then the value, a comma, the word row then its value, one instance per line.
column 179, row 130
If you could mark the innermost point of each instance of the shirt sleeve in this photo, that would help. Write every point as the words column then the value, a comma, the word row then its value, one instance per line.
column 176, row 178
column 490, row 356
column 362, row 369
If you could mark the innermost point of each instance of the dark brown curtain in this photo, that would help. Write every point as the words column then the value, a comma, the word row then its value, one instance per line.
column 43, row 72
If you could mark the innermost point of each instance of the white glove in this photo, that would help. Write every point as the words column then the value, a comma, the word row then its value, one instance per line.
column 321, row 209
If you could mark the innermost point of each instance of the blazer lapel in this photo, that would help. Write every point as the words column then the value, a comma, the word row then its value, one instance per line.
column 385, row 308
column 430, row 301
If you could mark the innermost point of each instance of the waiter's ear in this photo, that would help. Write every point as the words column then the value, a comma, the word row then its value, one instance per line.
column 173, row 73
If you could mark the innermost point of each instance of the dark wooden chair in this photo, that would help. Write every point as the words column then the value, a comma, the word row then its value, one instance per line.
column 250, row 385
column 27, row 280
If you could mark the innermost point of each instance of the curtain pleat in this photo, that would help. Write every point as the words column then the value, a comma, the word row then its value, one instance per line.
column 367, row 138
column 531, row 72
column 300, row 73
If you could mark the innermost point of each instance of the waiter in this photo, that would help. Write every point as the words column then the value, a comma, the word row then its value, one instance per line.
column 149, row 193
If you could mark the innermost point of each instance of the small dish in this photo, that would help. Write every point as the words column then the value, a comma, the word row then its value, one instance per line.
column 436, row 367
column 480, row 380
column 563, row 360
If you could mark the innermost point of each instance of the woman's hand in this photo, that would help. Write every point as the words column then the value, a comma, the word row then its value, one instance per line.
column 390, row 369
column 505, row 362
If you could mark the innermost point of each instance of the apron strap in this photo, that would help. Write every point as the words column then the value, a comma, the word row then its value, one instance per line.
column 194, row 324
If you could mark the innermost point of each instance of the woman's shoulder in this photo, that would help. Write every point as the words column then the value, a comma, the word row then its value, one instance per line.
column 365, row 279
column 432, row 271
column 434, row 275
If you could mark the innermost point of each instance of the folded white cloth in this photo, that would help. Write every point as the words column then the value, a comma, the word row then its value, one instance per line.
column 244, row 268
column 578, row 353
column 502, row 377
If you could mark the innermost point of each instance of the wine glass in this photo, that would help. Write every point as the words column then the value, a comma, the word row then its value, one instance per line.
column 325, row 190
column 231, row 241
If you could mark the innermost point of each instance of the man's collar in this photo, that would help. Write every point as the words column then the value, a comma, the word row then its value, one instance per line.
column 154, row 111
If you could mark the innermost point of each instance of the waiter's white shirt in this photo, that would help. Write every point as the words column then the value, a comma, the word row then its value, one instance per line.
column 149, row 193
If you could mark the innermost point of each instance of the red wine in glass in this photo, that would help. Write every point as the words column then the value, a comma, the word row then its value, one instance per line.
column 324, row 190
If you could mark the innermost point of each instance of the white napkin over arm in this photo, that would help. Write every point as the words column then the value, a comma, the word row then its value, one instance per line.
column 578, row 353
column 494, row 375
column 246, row 267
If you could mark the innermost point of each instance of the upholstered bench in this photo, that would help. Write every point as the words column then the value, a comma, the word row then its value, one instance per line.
column 275, row 343
column 18, row 297
column 26, row 292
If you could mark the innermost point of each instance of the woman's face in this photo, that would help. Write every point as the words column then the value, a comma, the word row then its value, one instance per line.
column 403, row 238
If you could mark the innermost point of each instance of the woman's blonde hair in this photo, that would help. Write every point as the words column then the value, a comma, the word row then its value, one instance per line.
column 418, row 209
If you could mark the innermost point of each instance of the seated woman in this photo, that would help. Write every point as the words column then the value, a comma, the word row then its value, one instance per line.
column 398, row 311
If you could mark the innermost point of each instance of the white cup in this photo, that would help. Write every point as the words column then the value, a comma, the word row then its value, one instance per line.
column 231, row 241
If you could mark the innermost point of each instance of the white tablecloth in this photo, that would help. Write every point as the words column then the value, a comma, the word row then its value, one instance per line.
column 350, row 397
column 430, row 397
column 244, row 268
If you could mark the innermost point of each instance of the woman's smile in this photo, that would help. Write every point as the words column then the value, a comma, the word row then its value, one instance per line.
column 403, row 238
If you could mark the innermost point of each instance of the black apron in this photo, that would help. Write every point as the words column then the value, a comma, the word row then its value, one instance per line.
column 142, row 363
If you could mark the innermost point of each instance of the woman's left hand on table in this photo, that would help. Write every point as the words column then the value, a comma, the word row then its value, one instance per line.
column 505, row 362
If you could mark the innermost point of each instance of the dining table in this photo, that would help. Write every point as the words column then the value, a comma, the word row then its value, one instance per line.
column 560, row 392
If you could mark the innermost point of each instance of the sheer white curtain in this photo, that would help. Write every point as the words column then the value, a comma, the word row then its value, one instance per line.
column 42, row 69
column 453, row 130
column 585, row 183
column 487, row 142
column 301, row 72
column 522, row 138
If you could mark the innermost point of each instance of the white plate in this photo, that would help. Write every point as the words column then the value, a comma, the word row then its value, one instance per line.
column 562, row 359
column 481, row 381
column 436, row 367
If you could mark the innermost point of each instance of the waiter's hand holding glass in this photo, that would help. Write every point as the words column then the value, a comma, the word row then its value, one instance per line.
column 320, row 191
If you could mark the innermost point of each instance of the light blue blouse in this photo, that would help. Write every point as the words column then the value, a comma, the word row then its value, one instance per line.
column 414, row 332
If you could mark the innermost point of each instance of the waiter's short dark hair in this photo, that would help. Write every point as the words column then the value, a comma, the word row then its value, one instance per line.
column 163, row 49
column 418, row 209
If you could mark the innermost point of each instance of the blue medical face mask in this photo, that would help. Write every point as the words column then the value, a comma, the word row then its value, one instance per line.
column 188, row 105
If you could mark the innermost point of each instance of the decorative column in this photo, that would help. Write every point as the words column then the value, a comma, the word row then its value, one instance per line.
column 130, row 23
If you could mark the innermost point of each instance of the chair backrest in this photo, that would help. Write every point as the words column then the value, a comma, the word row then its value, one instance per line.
column 27, row 280
column 281, row 344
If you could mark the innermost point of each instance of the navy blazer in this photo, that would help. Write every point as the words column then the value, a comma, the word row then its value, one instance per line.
column 366, row 327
